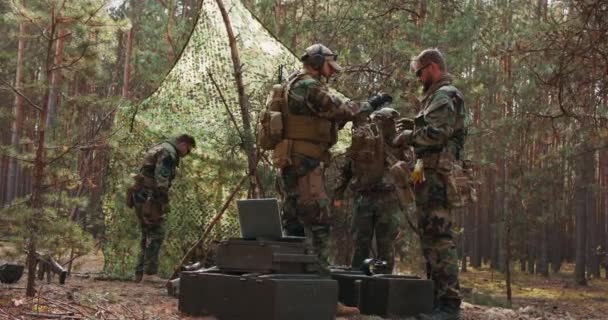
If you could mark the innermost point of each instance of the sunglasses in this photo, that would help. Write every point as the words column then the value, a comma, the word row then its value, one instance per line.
column 419, row 71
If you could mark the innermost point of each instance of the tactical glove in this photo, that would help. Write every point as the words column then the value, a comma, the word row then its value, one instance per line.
column 417, row 175
column 378, row 100
column 364, row 110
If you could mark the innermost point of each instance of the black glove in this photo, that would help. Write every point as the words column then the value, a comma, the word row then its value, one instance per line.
column 378, row 100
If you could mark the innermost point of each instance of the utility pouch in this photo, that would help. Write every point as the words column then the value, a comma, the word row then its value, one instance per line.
column 313, row 203
column 154, row 210
column 281, row 156
column 453, row 192
column 270, row 129
column 460, row 186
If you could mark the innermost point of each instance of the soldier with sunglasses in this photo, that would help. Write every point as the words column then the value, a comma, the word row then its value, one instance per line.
column 438, row 138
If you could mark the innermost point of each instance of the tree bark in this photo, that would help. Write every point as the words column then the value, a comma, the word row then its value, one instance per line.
column 56, row 79
column 593, row 261
column 36, row 200
column 126, row 77
column 580, row 205
column 277, row 17
column 13, row 168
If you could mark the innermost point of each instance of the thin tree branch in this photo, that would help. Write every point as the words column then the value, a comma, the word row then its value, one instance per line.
column 37, row 107
column 232, row 117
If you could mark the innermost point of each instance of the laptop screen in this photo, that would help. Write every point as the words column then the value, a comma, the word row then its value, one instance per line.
column 259, row 218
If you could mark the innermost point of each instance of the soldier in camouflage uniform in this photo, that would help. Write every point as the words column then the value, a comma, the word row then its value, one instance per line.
column 376, row 208
column 438, row 139
column 150, row 199
column 311, row 122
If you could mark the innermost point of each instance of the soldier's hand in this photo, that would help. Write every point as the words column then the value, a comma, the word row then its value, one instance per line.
column 403, row 139
column 378, row 100
column 404, row 124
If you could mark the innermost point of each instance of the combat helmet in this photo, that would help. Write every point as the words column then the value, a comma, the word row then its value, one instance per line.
column 317, row 54
column 386, row 113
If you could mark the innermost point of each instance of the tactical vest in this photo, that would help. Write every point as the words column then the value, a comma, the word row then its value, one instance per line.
column 286, row 131
column 303, row 126
column 455, row 143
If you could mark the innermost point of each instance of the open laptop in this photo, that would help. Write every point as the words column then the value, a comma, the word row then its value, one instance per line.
column 259, row 219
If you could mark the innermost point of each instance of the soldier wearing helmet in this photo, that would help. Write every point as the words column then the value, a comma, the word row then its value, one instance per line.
column 311, row 122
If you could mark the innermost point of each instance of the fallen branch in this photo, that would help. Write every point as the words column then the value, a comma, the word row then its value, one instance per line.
column 52, row 315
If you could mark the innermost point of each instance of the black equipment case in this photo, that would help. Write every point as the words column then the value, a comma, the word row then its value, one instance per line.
column 267, row 297
column 388, row 296
column 288, row 255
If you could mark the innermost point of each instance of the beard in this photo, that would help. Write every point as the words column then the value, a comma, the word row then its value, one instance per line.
column 426, row 84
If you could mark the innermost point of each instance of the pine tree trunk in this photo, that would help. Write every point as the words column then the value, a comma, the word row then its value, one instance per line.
column 593, row 262
column 492, row 222
column 56, row 79
column 277, row 17
column 36, row 200
column 543, row 259
column 18, row 116
column 532, row 252
column 255, row 190
column 126, row 77
column 580, row 206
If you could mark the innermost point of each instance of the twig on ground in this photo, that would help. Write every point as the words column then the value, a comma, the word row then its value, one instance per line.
column 52, row 315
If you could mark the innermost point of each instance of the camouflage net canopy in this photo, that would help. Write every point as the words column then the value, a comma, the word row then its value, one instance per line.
column 188, row 101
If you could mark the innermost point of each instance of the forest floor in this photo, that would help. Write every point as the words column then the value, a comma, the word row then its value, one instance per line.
column 83, row 297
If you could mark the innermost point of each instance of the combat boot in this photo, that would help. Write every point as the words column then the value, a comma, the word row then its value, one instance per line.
column 345, row 311
column 442, row 313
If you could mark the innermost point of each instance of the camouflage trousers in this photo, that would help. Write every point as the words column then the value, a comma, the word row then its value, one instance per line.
column 150, row 212
column 375, row 213
column 152, row 237
column 305, row 198
column 437, row 238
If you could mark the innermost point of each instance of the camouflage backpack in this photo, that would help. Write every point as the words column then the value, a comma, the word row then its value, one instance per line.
column 271, row 126
column 367, row 151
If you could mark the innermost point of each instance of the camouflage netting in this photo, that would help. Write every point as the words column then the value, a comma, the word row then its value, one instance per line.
column 188, row 101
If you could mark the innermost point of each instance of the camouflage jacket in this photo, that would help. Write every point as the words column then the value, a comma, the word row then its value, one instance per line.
column 440, row 123
column 159, row 165
column 309, row 96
